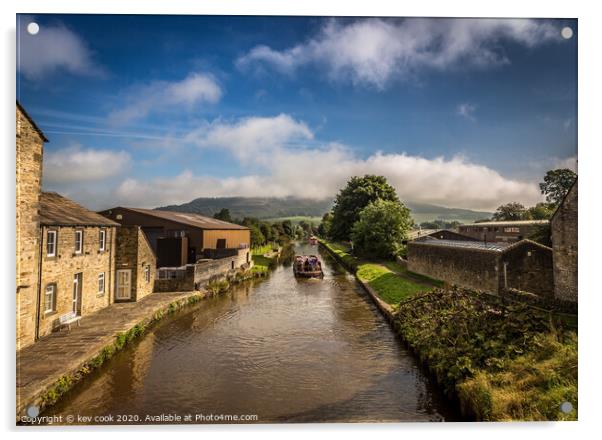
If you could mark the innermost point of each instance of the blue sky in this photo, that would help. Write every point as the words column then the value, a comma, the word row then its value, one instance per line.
column 153, row 110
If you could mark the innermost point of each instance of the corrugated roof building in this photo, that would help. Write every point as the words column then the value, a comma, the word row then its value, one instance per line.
column 180, row 238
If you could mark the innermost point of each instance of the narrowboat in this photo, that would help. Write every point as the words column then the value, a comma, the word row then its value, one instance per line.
column 307, row 266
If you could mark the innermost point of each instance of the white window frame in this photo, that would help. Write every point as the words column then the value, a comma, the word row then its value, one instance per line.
column 48, row 242
column 49, row 291
column 147, row 273
column 103, row 240
column 101, row 282
column 81, row 241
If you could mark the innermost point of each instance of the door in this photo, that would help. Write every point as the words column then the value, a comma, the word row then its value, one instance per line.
column 77, row 294
column 124, row 285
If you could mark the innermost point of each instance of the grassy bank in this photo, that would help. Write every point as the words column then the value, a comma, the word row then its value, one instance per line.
column 504, row 362
column 388, row 279
column 261, row 259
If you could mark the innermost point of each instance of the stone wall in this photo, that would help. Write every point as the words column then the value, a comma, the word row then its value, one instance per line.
column 195, row 276
column 29, row 150
column 146, row 259
column 564, row 245
column 529, row 268
column 184, row 282
column 473, row 268
column 208, row 269
column 61, row 269
column 133, row 252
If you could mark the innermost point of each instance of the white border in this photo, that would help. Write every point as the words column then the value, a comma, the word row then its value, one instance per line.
column 590, row 36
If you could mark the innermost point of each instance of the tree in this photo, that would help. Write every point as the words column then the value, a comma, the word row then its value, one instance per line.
column 510, row 211
column 359, row 193
column 266, row 230
column 287, row 227
column 541, row 211
column 223, row 214
column 556, row 183
column 257, row 238
column 381, row 229
column 325, row 225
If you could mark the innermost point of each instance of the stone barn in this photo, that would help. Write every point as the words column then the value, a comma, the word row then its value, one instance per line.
column 564, row 243
column 491, row 267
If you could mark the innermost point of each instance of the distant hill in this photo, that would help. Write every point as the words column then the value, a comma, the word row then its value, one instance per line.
column 272, row 208
column 423, row 212
column 259, row 207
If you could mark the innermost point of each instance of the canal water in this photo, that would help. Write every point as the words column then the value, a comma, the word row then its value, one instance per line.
column 283, row 349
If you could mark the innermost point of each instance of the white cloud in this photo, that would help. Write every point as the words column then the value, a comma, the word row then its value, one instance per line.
column 195, row 89
column 373, row 51
column 467, row 110
column 52, row 49
column 292, row 168
column 78, row 165
column 251, row 137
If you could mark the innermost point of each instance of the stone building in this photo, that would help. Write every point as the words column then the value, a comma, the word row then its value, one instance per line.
column 135, row 265
column 77, row 260
column 564, row 243
column 29, row 150
column 503, row 231
column 492, row 267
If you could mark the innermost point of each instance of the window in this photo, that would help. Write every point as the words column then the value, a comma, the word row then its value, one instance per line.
column 51, row 243
column 49, row 298
column 79, row 241
column 101, row 283
column 147, row 274
column 514, row 230
column 102, row 240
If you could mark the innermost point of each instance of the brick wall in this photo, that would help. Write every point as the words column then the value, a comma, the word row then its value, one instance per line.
column 564, row 245
column 473, row 268
column 61, row 269
column 29, row 150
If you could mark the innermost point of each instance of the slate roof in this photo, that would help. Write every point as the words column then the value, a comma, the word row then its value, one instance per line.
column 494, row 246
column 56, row 210
column 190, row 219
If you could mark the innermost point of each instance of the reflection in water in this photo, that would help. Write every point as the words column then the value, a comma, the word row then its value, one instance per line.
column 286, row 349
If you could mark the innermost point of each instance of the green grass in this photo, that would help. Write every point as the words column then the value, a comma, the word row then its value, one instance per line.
column 260, row 250
column 530, row 387
column 392, row 287
column 389, row 280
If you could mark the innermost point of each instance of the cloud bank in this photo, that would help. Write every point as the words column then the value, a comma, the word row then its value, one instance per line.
column 371, row 52
column 79, row 165
column 292, row 168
